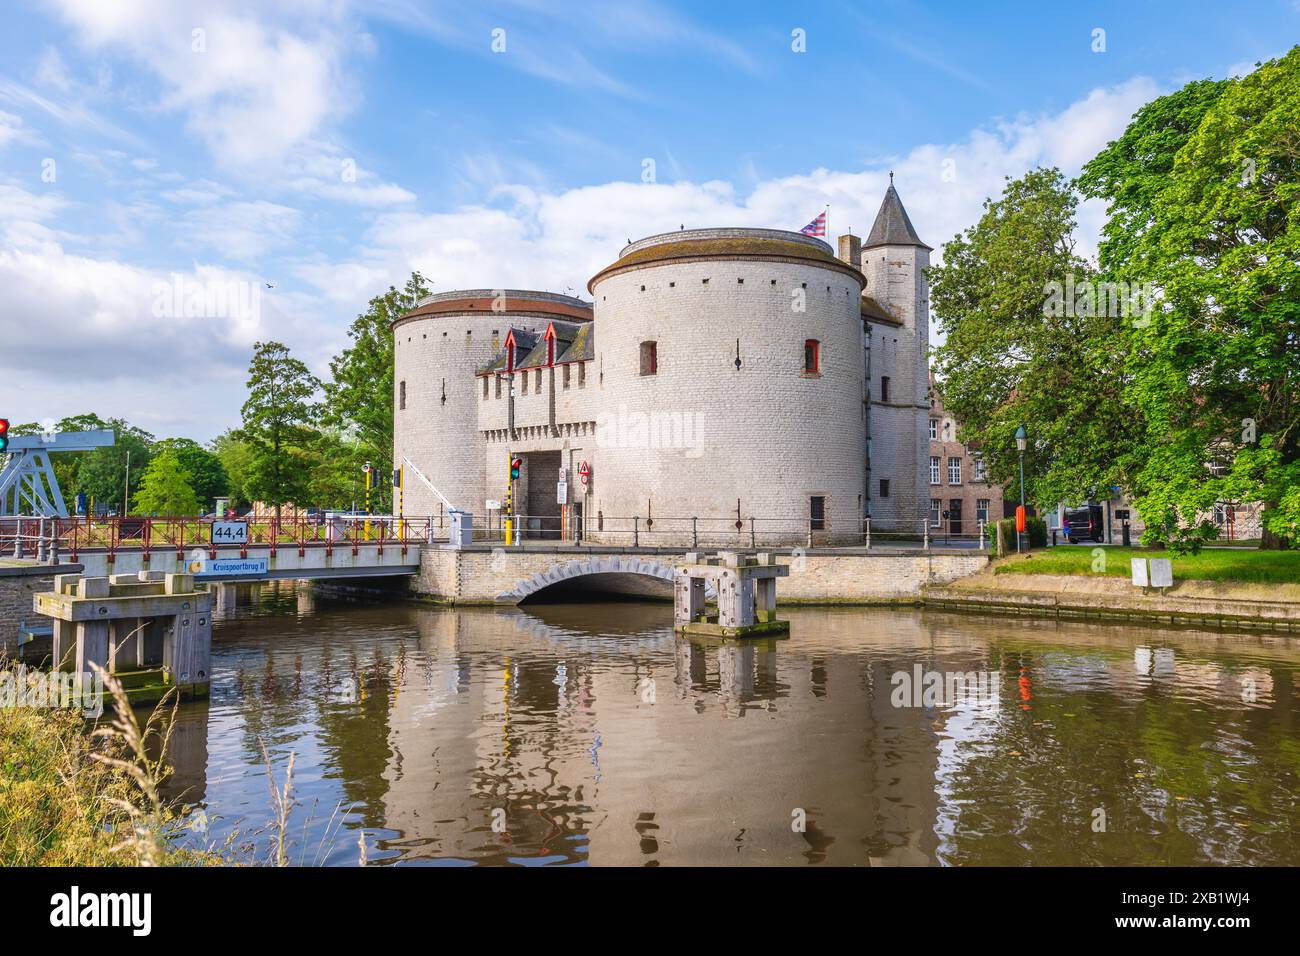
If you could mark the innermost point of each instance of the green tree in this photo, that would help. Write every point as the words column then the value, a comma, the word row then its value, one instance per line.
column 277, row 417
column 207, row 473
column 1215, row 371
column 1027, row 344
column 337, row 480
column 236, row 457
column 359, row 395
column 102, row 473
column 166, row 487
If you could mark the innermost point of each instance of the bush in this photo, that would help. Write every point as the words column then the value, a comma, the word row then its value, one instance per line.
column 1002, row 535
column 1037, row 528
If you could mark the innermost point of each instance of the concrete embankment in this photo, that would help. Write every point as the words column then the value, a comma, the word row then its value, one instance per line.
column 1212, row 603
column 487, row 575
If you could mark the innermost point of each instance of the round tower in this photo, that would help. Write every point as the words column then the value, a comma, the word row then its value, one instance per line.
column 730, row 365
column 438, row 348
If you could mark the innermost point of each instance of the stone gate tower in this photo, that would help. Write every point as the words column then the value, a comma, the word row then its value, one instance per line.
column 896, row 305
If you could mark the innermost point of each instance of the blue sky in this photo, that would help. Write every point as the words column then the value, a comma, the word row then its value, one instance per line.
column 304, row 155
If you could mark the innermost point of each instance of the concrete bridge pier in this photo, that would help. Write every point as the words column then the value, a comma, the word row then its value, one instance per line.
column 153, row 631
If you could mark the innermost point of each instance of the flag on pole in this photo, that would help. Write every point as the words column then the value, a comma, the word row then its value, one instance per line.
column 817, row 227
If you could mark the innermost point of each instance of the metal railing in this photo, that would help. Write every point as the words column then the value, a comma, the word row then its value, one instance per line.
column 640, row 531
column 50, row 539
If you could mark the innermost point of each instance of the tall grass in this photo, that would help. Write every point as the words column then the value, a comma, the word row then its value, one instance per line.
column 72, row 798
column 68, row 798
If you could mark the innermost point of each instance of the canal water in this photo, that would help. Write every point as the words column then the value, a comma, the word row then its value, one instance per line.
column 562, row 734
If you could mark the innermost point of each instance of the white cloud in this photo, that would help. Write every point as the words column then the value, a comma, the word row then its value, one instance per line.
column 78, row 318
column 252, row 88
column 243, row 231
column 554, row 240
column 12, row 130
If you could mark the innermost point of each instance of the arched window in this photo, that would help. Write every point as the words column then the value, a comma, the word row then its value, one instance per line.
column 812, row 357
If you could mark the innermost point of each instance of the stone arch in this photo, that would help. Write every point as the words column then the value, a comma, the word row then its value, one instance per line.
column 583, row 567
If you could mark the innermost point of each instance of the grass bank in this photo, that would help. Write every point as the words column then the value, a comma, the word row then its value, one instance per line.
column 71, row 795
column 1212, row 564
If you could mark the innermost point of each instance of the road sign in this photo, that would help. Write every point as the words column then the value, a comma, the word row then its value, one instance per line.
column 228, row 567
column 584, row 472
column 493, row 504
column 562, row 492
column 230, row 532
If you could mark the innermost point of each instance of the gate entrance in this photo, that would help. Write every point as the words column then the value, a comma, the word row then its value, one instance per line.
column 542, row 514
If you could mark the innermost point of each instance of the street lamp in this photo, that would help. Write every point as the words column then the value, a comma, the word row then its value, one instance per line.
column 1022, row 439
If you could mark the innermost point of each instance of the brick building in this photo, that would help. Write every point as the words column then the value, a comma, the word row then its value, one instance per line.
column 718, row 377
column 956, row 478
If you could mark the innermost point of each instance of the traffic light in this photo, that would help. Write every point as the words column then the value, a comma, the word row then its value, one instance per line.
column 515, row 465
column 4, row 434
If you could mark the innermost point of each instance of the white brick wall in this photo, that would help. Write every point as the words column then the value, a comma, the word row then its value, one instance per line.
column 771, row 436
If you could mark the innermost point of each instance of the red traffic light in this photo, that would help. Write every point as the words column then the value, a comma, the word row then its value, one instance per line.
column 515, row 465
column 4, row 434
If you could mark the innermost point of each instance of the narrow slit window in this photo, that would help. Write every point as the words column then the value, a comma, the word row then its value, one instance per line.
column 812, row 357
column 649, row 358
column 401, row 394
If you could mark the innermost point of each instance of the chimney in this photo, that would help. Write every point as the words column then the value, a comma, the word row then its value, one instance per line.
column 851, row 250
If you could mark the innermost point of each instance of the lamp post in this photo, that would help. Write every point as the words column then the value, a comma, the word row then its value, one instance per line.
column 1022, row 439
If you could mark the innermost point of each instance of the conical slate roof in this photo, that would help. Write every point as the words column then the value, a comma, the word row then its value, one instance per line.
column 892, row 227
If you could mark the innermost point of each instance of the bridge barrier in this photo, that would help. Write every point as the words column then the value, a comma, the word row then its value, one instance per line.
column 730, row 532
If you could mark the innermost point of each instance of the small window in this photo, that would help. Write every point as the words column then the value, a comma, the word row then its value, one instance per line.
column 884, row 487
column 934, row 512
column 935, row 470
column 934, row 430
column 812, row 359
column 401, row 394
column 537, row 384
column 982, row 510
column 649, row 358
column 954, row 471
column 498, row 386
column 884, row 388
column 817, row 513
column 485, row 386
column 567, row 370
column 582, row 375
column 977, row 467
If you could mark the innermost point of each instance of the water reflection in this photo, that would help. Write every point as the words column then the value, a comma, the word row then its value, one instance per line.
column 570, row 734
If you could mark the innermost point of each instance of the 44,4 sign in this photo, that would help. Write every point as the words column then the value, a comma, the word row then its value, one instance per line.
column 230, row 532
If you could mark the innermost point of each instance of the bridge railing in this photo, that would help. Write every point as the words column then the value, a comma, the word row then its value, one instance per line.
column 732, row 532
column 67, row 537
